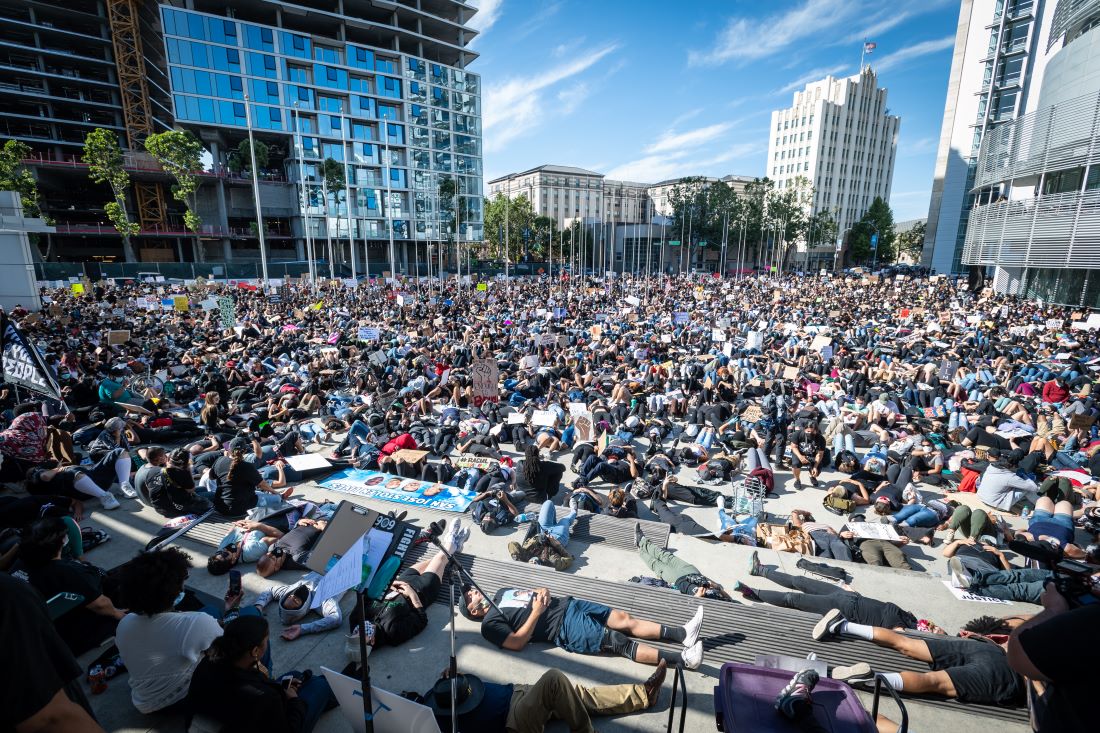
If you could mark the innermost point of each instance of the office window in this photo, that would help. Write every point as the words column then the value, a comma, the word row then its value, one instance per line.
column 260, row 64
column 362, row 132
column 229, row 87
column 294, row 45
column 265, row 92
column 364, row 106
column 416, row 69
column 328, row 54
column 333, row 150
column 330, row 124
column 359, row 84
column 418, row 91
column 387, row 112
column 388, row 87
column 397, row 178
column 195, row 27
column 419, row 115
column 329, row 76
column 330, row 104
column 395, row 133
column 386, row 66
column 302, row 95
column 259, row 39
column 441, row 119
column 360, row 58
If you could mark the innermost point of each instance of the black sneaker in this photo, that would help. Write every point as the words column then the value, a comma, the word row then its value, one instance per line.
column 829, row 624
column 755, row 568
column 814, row 482
column 798, row 484
column 857, row 674
column 794, row 700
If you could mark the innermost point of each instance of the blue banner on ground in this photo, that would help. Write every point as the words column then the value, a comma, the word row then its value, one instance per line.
column 410, row 491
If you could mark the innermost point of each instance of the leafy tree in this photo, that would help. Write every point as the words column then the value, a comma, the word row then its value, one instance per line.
column 180, row 154
column 878, row 219
column 518, row 213
column 786, row 215
column 911, row 242
column 104, row 158
column 14, row 176
column 240, row 160
column 821, row 228
column 544, row 232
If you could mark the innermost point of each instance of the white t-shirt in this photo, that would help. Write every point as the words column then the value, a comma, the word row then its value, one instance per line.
column 161, row 652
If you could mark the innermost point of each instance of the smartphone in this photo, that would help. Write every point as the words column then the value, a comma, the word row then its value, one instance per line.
column 234, row 582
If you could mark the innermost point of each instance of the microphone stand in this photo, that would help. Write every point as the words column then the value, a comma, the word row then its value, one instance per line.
column 452, row 668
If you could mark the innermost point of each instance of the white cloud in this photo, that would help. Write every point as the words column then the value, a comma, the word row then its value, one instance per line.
column 673, row 141
column 514, row 107
column 917, row 50
column 878, row 24
column 488, row 12
column 748, row 39
column 810, row 76
column 571, row 98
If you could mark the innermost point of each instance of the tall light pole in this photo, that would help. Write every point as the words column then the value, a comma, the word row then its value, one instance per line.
column 344, row 123
column 256, row 191
column 387, row 174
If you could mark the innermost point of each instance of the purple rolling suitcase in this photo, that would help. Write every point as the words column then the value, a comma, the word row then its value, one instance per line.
column 744, row 702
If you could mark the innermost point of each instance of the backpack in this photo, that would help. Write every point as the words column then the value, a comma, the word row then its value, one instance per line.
column 766, row 476
column 837, row 505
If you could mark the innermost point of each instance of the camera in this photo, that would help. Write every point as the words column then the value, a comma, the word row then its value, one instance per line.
column 1072, row 579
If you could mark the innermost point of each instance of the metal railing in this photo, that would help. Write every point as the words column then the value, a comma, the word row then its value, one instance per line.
column 1056, row 230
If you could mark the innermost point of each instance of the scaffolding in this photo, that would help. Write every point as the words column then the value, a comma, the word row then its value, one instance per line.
column 130, row 62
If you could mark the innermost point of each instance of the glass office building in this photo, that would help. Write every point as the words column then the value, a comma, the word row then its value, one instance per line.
column 397, row 124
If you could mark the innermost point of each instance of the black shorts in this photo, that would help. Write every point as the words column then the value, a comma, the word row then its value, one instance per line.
column 979, row 671
column 426, row 585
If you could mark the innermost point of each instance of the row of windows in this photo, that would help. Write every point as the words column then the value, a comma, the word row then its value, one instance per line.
column 794, row 122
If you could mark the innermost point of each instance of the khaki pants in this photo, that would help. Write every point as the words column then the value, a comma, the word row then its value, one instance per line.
column 554, row 696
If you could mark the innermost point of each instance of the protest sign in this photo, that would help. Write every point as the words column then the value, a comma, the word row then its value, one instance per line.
column 117, row 337
column 484, row 379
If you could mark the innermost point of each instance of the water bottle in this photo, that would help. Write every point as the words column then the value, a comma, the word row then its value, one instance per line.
column 1025, row 512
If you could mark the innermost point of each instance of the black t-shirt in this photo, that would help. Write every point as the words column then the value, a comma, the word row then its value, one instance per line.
column 237, row 497
column 979, row 552
column 48, row 665
column 68, row 576
column 244, row 699
column 298, row 542
column 1067, row 705
column 617, row 472
column 548, row 480
column 515, row 609
column 808, row 445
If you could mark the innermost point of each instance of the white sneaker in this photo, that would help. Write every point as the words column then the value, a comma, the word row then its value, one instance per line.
column 109, row 502
column 693, row 656
column 949, row 537
column 128, row 490
column 691, row 628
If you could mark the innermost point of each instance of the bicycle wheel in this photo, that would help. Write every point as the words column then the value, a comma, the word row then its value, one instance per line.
column 146, row 385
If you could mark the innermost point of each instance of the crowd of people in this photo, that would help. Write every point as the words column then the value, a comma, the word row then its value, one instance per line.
column 952, row 415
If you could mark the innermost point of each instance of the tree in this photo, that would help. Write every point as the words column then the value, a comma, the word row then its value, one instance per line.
column 180, row 154
column 544, row 232
column 878, row 219
column 15, row 176
column 104, row 158
column 518, row 213
column 786, row 215
column 240, row 160
column 911, row 242
column 334, row 176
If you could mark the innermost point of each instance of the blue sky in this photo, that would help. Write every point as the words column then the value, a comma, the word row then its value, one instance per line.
column 647, row 90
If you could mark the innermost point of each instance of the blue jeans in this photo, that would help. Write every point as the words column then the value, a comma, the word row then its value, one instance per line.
column 317, row 696
column 843, row 442
column 558, row 528
column 916, row 515
column 1022, row 584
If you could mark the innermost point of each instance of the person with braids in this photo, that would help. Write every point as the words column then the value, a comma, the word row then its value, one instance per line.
column 162, row 646
column 538, row 479
column 240, row 486
column 233, row 685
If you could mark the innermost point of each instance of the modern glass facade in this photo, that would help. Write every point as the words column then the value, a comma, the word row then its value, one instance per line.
column 399, row 124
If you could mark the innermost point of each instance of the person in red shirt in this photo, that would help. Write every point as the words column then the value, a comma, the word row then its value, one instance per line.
column 1055, row 391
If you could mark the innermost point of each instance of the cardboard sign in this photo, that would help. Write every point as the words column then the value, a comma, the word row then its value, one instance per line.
column 595, row 332
column 117, row 337
column 790, row 373
column 482, row 287
column 484, row 379
column 516, row 418
column 77, row 288
column 407, row 455
column 544, row 418
column 819, row 343
column 1081, row 422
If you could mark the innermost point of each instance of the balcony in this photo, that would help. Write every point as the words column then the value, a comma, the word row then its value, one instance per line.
column 1059, row 230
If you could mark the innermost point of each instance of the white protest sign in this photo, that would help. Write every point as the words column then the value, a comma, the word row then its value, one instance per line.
column 963, row 595
column 754, row 340
column 718, row 334
column 873, row 531
column 635, row 302
column 368, row 333
column 543, row 418
column 530, row 361
column 577, row 408
column 516, row 418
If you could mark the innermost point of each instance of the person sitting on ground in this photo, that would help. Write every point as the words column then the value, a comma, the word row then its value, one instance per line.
column 578, row 626
column 155, row 458
column 95, row 617
column 538, row 479
column 234, row 687
column 678, row 573
column 290, row 549
column 970, row 670
column 494, row 708
column 162, row 646
column 240, row 488
column 171, row 489
column 1000, row 486
column 807, row 451
column 49, row 696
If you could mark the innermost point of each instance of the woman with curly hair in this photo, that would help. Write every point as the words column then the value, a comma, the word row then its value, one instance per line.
column 162, row 646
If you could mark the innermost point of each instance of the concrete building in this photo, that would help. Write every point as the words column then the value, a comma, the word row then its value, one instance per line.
column 18, row 286
column 1036, row 215
column 998, row 66
column 840, row 137
column 563, row 193
column 382, row 88
column 661, row 193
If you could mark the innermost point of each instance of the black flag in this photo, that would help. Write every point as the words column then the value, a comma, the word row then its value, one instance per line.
column 23, row 365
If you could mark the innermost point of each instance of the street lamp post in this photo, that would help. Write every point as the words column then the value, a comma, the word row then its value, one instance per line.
column 256, row 191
